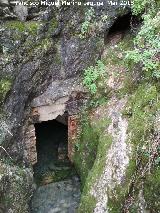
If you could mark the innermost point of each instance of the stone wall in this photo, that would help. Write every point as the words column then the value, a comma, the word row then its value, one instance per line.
column 57, row 111
column 30, row 142
column 73, row 130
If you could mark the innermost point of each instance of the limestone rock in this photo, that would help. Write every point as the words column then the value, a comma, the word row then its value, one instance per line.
column 16, row 185
column 43, row 66
column 21, row 11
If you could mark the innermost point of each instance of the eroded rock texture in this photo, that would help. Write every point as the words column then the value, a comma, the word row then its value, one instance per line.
column 42, row 57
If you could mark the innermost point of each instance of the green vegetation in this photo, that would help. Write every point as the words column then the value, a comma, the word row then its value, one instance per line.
column 39, row 48
column 16, row 25
column 94, row 142
column 42, row 46
column 93, row 75
column 87, row 24
column 22, row 34
column 14, row 177
column 87, row 200
column 5, row 85
column 144, row 103
column 90, row 155
column 53, row 24
column 140, row 6
column 152, row 190
column 142, row 106
column 30, row 27
column 141, row 111
column 55, row 176
column 118, row 195
column 91, row 25
column 94, row 79
column 142, row 57
column 147, row 42
column 85, row 148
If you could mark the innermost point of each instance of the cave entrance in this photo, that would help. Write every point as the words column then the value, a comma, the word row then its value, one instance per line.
column 52, row 151
column 122, row 23
column 58, row 185
column 120, row 27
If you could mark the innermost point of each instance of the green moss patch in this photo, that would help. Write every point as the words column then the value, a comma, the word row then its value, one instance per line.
column 115, row 54
column 118, row 196
column 16, row 185
column 142, row 106
column 90, row 156
column 55, row 176
column 152, row 190
column 88, row 202
column 85, row 148
column 53, row 24
column 5, row 85
column 31, row 27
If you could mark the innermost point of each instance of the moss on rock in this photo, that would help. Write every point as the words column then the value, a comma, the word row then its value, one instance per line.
column 152, row 190
column 31, row 27
column 90, row 156
column 88, row 202
column 142, row 106
column 5, row 85
column 85, row 148
column 16, row 181
column 53, row 24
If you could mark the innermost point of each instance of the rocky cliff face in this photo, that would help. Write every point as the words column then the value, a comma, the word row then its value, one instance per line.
column 43, row 53
column 111, row 154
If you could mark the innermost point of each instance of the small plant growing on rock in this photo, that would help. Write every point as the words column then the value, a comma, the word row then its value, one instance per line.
column 92, row 77
column 86, row 25
column 147, row 42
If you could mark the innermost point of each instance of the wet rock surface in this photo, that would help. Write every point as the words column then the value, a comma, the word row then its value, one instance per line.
column 58, row 185
column 59, row 197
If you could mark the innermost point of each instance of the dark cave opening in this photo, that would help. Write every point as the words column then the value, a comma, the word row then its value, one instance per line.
column 58, row 185
column 121, row 25
column 52, row 151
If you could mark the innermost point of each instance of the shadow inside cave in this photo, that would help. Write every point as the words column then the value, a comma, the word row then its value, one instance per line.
column 120, row 27
column 52, row 153
column 58, row 183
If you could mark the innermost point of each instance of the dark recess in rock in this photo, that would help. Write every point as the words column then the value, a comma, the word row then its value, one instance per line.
column 121, row 25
